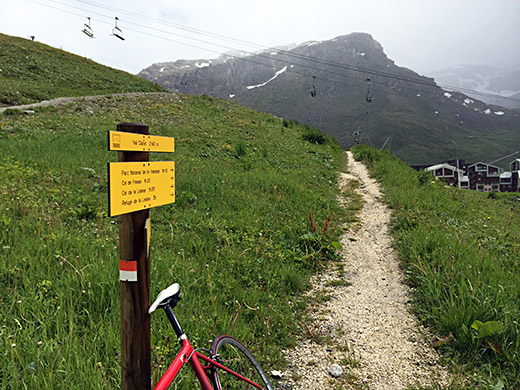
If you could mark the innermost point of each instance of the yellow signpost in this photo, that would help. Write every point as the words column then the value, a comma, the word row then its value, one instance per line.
column 135, row 186
column 133, row 142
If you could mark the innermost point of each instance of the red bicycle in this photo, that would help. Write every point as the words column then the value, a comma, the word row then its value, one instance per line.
column 229, row 364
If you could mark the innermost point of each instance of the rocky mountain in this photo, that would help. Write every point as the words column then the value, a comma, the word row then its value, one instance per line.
column 485, row 80
column 349, row 88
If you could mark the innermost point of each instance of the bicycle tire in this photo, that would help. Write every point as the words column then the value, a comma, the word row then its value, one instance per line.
column 234, row 355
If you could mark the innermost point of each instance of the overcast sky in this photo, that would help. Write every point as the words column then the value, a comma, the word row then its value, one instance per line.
column 423, row 35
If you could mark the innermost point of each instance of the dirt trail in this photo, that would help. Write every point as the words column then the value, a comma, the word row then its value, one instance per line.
column 366, row 327
column 62, row 101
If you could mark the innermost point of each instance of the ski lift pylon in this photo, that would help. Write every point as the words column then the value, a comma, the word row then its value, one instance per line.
column 116, row 31
column 87, row 30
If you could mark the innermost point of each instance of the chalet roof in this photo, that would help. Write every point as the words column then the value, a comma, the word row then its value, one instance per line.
column 500, row 170
column 483, row 163
column 515, row 161
column 437, row 166
column 506, row 175
column 445, row 165
column 480, row 162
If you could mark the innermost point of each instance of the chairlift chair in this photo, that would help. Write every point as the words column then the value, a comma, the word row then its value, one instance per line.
column 368, row 98
column 117, row 32
column 88, row 30
column 313, row 91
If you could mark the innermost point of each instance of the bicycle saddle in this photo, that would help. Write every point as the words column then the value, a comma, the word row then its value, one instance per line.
column 168, row 297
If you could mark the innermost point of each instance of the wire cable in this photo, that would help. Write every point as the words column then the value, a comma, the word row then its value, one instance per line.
column 418, row 80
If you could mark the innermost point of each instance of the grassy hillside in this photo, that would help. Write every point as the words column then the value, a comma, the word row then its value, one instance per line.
column 31, row 72
column 237, row 239
column 461, row 253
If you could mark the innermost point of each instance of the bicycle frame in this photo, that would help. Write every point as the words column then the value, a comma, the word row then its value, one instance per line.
column 188, row 354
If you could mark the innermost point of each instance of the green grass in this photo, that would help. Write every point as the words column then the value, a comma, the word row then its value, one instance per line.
column 461, row 252
column 237, row 238
column 31, row 72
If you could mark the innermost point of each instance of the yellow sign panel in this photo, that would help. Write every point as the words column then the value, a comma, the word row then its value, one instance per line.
column 132, row 142
column 135, row 186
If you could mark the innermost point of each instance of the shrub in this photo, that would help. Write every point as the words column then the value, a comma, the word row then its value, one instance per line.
column 12, row 111
column 314, row 136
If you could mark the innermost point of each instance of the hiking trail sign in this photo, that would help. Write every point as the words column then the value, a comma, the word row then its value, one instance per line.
column 134, row 142
column 139, row 185
column 135, row 186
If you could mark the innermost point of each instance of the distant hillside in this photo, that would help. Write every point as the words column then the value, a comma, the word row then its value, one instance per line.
column 486, row 80
column 409, row 114
column 31, row 72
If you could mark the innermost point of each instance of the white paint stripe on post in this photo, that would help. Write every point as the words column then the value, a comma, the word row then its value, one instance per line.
column 128, row 276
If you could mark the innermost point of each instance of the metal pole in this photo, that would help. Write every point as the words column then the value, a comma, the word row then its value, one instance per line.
column 457, row 157
column 134, row 296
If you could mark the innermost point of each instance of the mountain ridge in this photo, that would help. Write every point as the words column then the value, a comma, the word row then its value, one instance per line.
column 408, row 113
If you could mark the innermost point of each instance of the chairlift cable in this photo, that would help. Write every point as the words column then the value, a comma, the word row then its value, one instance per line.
column 294, row 55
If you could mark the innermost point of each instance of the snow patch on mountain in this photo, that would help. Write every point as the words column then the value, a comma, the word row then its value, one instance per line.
column 268, row 81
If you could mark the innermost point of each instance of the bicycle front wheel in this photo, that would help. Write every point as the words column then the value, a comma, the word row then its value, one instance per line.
column 232, row 354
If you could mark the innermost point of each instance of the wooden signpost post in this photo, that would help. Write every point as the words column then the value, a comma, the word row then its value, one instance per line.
column 135, row 186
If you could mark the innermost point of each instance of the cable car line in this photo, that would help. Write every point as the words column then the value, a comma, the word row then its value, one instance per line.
column 286, row 53
column 294, row 55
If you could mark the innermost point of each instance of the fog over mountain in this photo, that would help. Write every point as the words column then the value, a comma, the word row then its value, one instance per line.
column 486, row 81
column 422, row 35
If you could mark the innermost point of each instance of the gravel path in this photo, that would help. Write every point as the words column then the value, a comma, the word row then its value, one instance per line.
column 62, row 101
column 366, row 327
